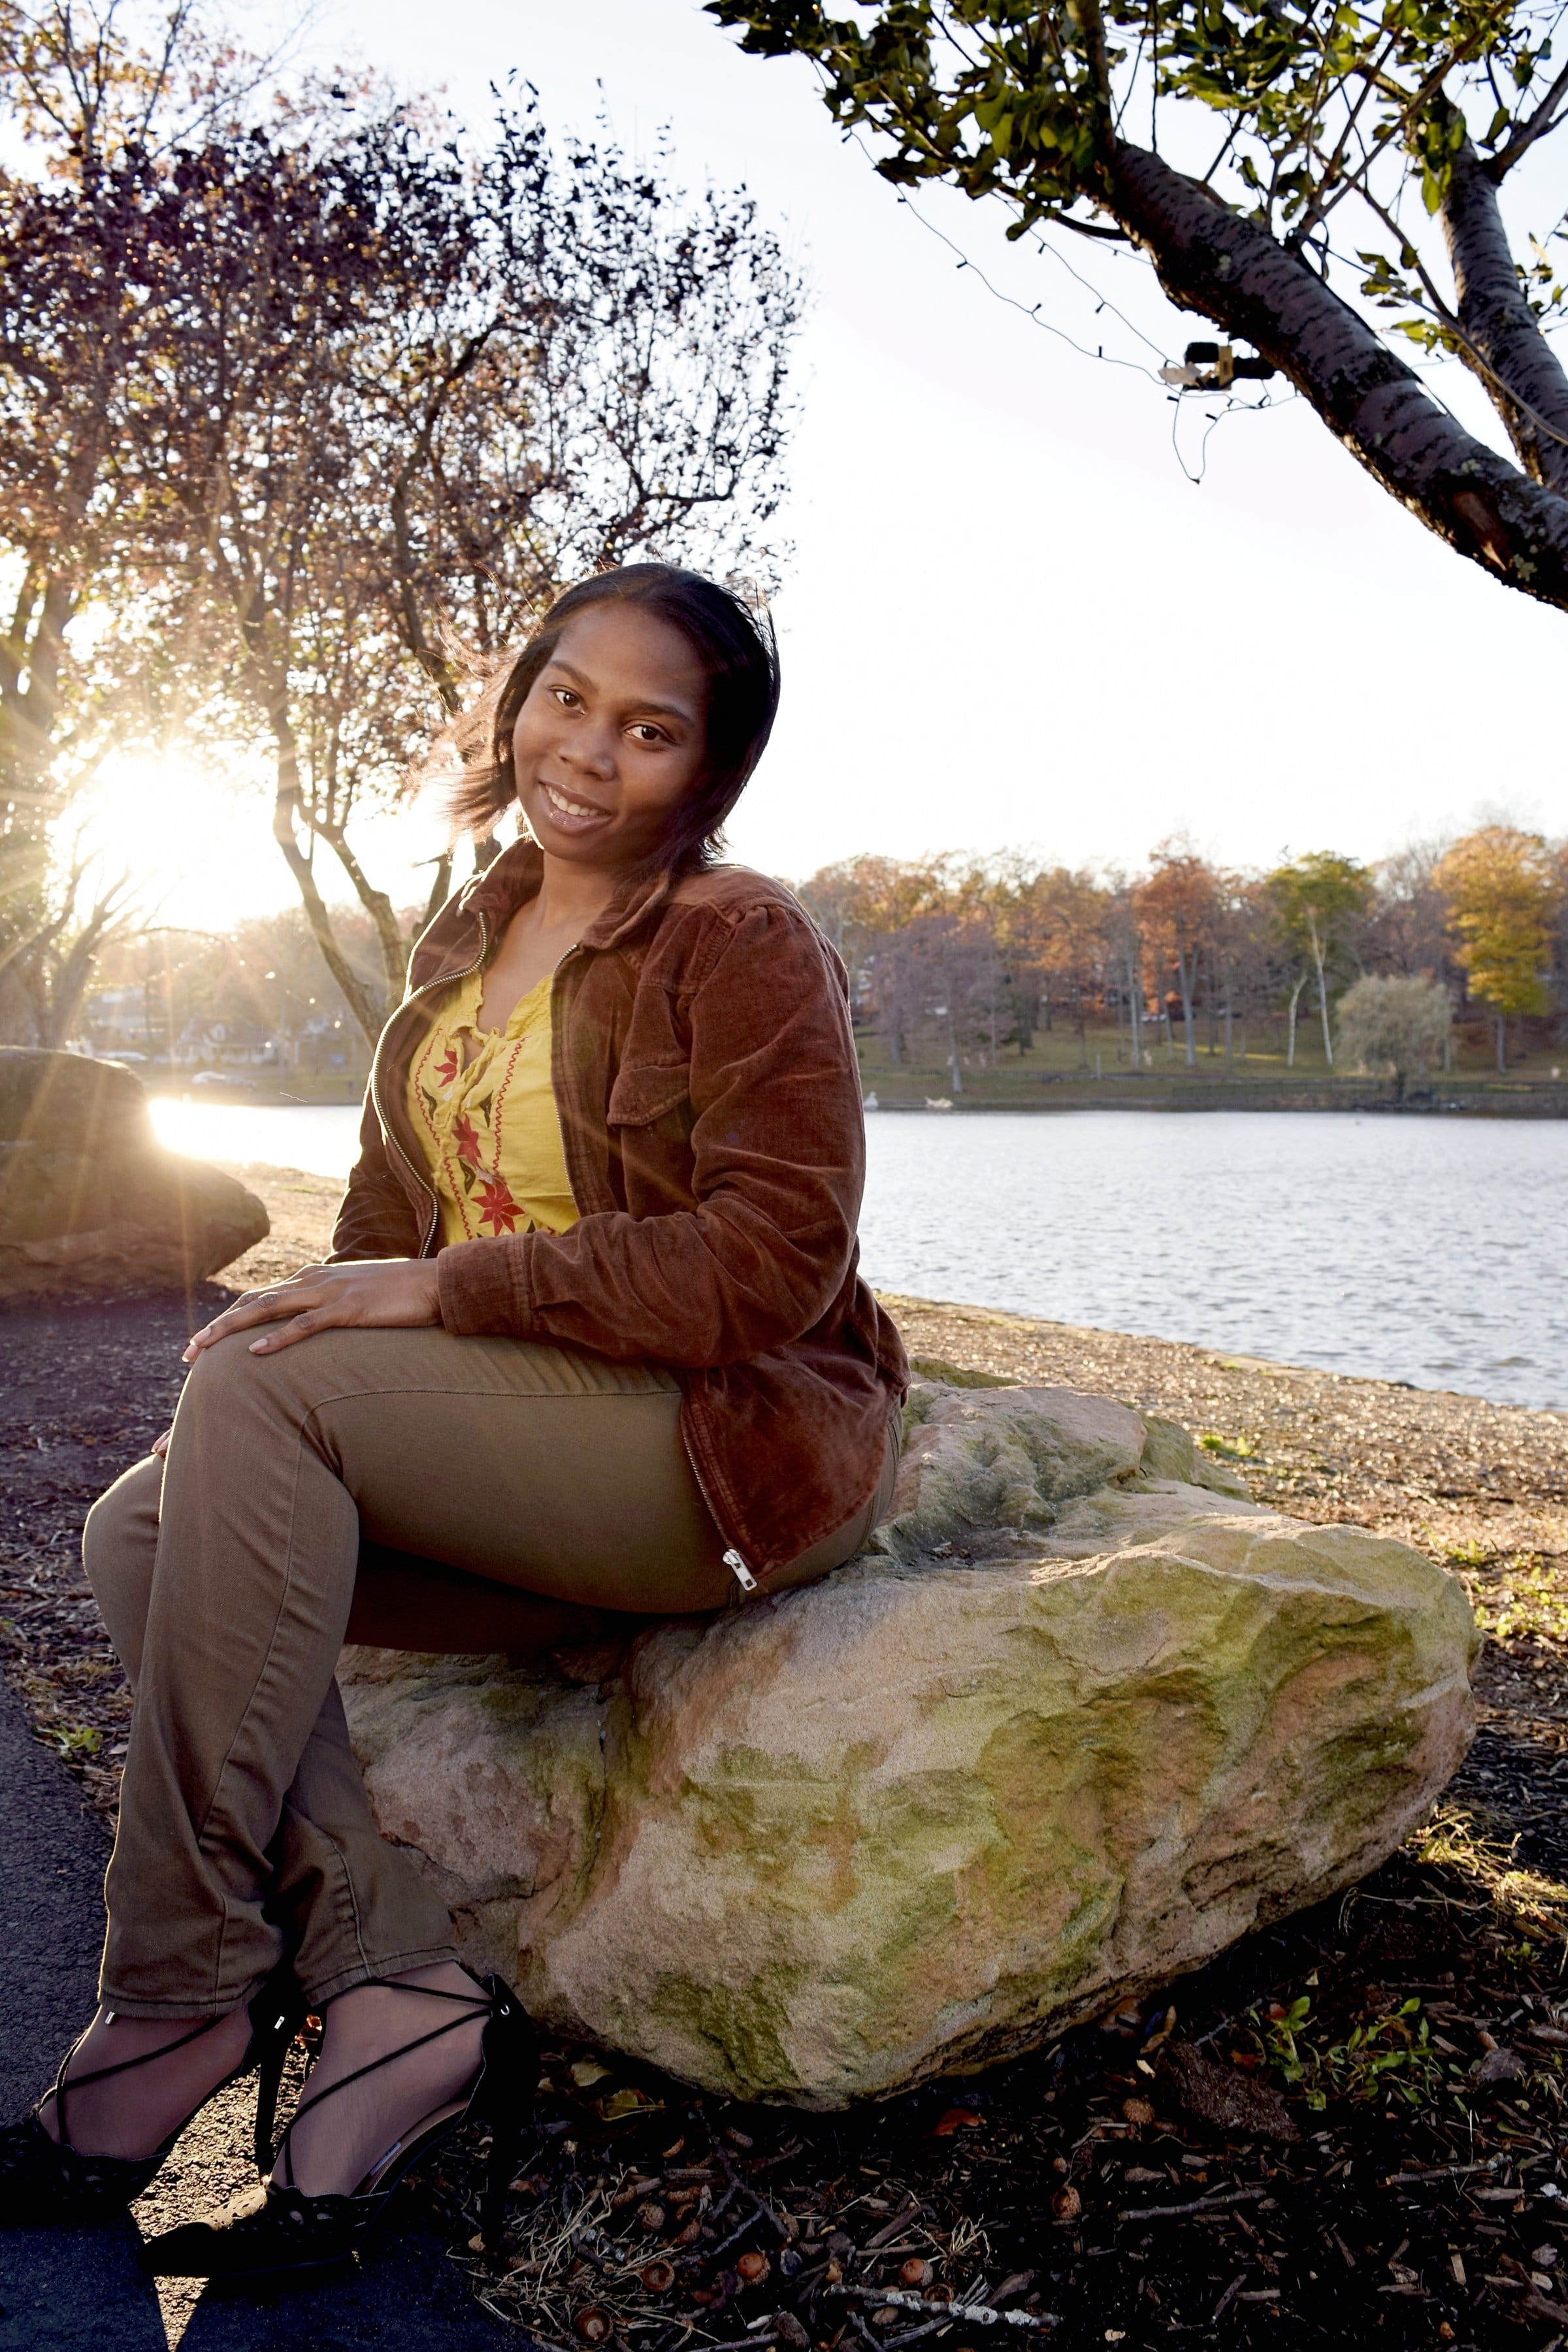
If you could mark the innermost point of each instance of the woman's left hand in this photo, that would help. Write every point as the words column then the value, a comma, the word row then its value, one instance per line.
column 369, row 1291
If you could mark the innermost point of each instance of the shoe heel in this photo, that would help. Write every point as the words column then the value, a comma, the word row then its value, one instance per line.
column 507, row 2093
column 276, row 2015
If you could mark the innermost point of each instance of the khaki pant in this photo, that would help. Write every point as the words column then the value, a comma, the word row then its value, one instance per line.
column 404, row 1487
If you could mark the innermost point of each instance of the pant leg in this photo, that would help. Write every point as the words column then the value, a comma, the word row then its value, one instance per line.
column 535, row 1467
column 327, row 1861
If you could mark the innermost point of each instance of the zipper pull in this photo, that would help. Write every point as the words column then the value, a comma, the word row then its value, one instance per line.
column 739, row 1572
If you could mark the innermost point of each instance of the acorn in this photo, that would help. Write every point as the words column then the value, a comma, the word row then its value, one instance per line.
column 594, row 2325
column 914, row 2272
column 1138, row 2112
column 657, row 2278
column 650, row 2216
column 1066, row 2204
column 754, row 2269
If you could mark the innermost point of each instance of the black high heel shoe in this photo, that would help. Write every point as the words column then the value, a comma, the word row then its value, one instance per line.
column 289, row 2234
column 46, row 2182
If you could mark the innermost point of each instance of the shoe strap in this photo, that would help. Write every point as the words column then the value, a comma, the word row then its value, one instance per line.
column 470, row 2001
column 64, row 2082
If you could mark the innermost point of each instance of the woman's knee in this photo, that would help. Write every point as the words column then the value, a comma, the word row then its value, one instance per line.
column 118, row 1545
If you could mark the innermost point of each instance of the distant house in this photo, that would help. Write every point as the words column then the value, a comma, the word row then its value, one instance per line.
column 231, row 1044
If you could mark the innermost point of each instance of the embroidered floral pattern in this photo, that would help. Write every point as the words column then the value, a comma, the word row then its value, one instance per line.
column 483, row 1105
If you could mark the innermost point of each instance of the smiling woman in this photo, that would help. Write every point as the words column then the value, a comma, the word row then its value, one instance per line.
column 591, row 1340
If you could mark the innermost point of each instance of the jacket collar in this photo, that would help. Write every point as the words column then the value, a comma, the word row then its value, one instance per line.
column 514, row 878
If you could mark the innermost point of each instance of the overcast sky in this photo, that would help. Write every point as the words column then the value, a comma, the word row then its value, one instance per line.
column 1009, row 619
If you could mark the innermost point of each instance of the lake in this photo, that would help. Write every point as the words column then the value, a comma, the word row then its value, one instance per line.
column 1427, row 1250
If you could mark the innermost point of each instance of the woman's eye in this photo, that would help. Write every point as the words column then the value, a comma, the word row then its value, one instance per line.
column 645, row 732
column 564, row 696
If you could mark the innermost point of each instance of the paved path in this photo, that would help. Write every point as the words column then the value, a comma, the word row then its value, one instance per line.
column 80, row 2291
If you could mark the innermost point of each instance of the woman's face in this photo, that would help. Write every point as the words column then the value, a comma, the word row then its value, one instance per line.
column 612, row 734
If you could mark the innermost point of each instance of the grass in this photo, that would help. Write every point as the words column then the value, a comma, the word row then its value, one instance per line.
column 1227, row 1449
column 1057, row 1057
column 1457, row 1838
column 1527, row 1600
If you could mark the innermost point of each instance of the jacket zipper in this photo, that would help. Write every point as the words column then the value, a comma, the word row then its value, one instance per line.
column 442, row 980
column 739, row 1572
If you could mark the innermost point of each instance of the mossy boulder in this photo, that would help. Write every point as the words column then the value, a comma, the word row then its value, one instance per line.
column 1081, row 1717
column 90, row 1201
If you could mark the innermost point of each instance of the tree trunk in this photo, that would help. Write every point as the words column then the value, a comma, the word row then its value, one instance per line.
column 1134, row 1008
column 1187, row 974
column 1502, row 1045
column 1228, row 268
column 368, row 1009
column 377, row 905
column 1323, row 988
column 1508, row 346
column 1295, row 1000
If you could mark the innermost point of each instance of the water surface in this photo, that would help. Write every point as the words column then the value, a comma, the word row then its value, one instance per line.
column 1426, row 1250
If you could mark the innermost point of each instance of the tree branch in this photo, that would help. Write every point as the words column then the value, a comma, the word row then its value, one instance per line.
column 1547, row 117
column 1523, row 376
column 1232, row 270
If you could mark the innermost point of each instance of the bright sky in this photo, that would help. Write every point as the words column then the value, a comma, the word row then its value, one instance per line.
column 1010, row 620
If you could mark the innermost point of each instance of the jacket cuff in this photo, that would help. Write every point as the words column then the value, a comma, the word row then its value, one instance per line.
column 483, row 1286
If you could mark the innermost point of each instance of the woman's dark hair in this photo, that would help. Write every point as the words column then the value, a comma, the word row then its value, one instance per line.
column 737, row 651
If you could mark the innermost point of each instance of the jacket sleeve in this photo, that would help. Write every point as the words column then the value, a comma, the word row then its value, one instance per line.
column 375, row 1217
column 778, row 1149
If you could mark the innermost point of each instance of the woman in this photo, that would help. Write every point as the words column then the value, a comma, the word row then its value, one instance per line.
column 590, row 1339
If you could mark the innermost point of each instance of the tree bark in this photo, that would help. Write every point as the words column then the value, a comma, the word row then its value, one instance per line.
column 1188, row 976
column 1323, row 988
column 1510, row 349
column 1229, row 269
column 367, row 1010
column 1295, row 1000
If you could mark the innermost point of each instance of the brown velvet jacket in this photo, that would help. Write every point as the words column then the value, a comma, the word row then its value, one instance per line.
column 710, row 1103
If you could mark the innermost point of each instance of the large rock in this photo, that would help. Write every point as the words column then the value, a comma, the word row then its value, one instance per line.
column 90, row 1201
column 1082, row 1717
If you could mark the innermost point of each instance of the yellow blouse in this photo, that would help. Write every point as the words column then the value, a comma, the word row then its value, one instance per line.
column 483, row 1106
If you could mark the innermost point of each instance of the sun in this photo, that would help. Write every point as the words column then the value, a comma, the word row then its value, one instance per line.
column 194, row 843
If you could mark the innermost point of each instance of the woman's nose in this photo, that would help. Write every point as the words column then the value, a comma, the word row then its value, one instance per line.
column 591, row 749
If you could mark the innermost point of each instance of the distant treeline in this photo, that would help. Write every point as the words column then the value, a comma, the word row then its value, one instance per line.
column 974, row 956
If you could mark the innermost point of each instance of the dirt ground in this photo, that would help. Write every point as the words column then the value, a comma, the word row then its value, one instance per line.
column 1350, row 2128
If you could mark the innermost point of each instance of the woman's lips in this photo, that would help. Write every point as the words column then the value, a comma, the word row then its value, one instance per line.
column 568, row 813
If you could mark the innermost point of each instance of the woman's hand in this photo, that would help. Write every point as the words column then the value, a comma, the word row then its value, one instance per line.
column 371, row 1291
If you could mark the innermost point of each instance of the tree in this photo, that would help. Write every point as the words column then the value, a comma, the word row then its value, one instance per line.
column 1406, row 930
column 82, row 309
column 1504, row 892
column 941, row 967
column 1396, row 1025
column 411, row 390
column 1176, row 907
column 1317, row 901
column 1371, row 128
column 308, row 409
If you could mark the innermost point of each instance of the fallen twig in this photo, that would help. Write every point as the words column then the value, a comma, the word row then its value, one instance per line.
column 981, row 2315
column 1200, row 2205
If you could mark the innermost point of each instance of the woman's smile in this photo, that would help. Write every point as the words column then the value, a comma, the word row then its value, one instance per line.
column 567, row 809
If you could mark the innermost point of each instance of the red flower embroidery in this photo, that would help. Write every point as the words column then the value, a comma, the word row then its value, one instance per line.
column 446, row 1069
column 496, row 1206
column 467, row 1141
